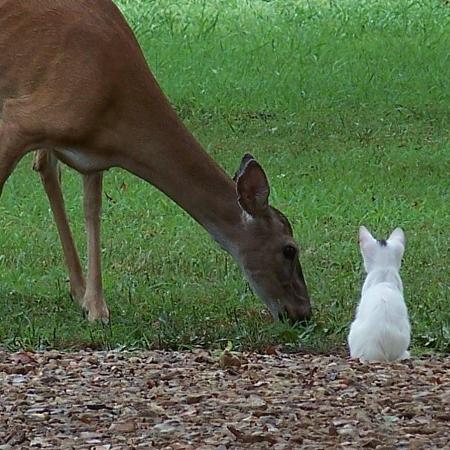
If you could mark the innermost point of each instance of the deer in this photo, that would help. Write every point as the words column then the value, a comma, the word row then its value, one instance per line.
column 75, row 88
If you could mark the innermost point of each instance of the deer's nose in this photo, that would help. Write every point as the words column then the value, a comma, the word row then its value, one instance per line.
column 297, row 313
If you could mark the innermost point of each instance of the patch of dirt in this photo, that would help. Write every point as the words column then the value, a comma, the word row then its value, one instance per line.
column 196, row 400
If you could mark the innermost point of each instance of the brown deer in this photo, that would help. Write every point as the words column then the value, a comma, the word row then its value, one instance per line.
column 75, row 87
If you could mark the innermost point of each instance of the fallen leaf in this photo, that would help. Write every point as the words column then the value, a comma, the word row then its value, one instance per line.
column 251, row 438
column 24, row 358
column 229, row 360
column 124, row 427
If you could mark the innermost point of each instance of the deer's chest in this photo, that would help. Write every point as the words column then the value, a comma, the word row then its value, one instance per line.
column 82, row 161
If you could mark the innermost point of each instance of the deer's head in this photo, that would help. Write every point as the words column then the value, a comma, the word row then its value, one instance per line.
column 268, row 253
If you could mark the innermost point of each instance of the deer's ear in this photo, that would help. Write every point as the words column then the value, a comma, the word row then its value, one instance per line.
column 398, row 235
column 252, row 188
column 245, row 160
column 364, row 236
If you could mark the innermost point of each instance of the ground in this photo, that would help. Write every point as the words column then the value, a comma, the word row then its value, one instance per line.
column 204, row 400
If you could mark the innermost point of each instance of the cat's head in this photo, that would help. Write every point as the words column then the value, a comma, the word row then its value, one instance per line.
column 379, row 254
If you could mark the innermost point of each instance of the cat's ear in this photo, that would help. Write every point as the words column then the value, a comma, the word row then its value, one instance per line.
column 364, row 236
column 398, row 236
column 367, row 246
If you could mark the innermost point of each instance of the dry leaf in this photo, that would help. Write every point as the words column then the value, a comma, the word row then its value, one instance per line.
column 251, row 438
column 123, row 427
column 229, row 360
column 24, row 358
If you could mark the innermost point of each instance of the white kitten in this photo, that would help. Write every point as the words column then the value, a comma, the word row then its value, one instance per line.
column 381, row 330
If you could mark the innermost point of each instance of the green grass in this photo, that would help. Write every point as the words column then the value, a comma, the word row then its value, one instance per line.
column 346, row 105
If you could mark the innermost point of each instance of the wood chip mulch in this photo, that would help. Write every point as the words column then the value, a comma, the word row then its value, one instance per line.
column 198, row 400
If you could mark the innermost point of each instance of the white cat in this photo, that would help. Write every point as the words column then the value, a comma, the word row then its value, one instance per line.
column 381, row 329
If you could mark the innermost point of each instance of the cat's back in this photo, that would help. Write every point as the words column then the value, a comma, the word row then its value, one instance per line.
column 381, row 329
column 382, row 303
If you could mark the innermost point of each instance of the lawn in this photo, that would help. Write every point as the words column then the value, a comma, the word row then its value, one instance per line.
column 346, row 104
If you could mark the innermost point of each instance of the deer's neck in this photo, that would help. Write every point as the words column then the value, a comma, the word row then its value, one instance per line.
column 170, row 158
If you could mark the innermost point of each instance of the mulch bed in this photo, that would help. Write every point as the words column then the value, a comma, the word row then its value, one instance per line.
column 198, row 400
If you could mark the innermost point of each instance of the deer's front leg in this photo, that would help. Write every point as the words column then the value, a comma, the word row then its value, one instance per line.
column 47, row 165
column 93, row 300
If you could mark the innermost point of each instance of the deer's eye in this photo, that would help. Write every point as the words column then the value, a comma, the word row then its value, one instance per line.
column 289, row 252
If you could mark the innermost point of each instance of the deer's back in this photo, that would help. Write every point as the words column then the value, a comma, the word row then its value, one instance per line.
column 59, row 43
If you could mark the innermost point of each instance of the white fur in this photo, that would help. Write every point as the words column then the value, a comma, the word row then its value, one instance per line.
column 381, row 329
